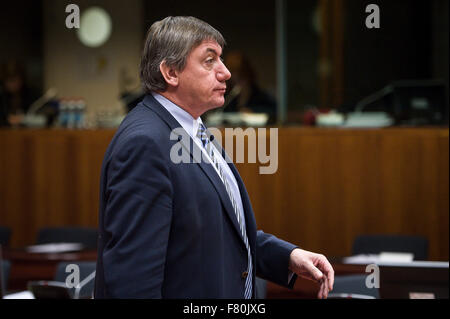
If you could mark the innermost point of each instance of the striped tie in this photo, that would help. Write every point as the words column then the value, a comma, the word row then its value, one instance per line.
column 201, row 134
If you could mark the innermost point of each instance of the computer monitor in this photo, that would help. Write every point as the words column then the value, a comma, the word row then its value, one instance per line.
column 414, row 280
column 410, row 102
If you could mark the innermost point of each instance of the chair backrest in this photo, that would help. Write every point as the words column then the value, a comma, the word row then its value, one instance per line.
column 4, row 272
column 83, row 235
column 375, row 244
column 5, row 235
column 86, row 276
column 353, row 285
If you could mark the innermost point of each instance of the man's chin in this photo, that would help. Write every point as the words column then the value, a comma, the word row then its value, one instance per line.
column 217, row 104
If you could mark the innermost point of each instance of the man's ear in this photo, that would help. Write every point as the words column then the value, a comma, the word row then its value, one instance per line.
column 169, row 74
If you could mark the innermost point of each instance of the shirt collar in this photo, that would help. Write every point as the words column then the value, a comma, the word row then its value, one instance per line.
column 184, row 118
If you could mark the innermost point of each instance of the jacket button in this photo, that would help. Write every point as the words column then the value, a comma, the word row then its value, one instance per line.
column 244, row 274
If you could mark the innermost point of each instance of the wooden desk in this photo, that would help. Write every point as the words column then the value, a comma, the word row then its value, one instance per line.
column 26, row 266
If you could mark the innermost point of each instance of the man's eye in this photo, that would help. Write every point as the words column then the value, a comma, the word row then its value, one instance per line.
column 209, row 61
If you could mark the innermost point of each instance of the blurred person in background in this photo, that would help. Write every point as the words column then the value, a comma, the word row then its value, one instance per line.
column 15, row 96
column 243, row 93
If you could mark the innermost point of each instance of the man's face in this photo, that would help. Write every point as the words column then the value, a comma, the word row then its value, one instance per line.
column 201, row 83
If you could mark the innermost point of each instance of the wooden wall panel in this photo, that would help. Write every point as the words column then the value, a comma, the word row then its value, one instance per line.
column 49, row 178
column 331, row 184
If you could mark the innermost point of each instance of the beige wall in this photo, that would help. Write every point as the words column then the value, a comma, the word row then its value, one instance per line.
column 92, row 73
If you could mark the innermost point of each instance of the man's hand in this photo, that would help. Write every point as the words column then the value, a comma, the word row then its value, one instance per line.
column 313, row 267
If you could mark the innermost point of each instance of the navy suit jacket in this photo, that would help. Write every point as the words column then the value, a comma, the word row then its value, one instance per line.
column 168, row 230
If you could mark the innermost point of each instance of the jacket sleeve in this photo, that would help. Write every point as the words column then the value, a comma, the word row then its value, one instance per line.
column 137, row 217
column 272, row 259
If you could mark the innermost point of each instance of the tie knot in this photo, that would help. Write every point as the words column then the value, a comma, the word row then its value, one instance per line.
column 201, row 127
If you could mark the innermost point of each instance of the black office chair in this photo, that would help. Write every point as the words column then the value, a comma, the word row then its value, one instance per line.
column 352, row 287
column 375, row 244
column 86, row 277
column 5, row 235
column 83, row 235
column 6, row 266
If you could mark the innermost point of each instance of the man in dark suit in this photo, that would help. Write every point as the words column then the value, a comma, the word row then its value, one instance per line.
column 171, row 229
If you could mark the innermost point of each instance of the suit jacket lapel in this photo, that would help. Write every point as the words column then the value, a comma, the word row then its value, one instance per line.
column 195, row 154
column 246, row 204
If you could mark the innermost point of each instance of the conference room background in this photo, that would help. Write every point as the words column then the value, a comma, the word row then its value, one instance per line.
column 313, row 57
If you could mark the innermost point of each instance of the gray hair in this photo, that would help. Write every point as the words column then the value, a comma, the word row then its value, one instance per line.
column 171, row 40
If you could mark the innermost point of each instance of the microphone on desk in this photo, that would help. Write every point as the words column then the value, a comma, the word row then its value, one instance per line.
column 31, row 119
column 48, row 95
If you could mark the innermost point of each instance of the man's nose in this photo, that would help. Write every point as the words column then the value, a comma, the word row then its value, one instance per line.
column 223, row 74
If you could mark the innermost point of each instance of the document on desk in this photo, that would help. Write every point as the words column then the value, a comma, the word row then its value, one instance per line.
column 396, row 257
column 383, row 257
column 20, row 295
column 361, row 259
column 54, row 248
